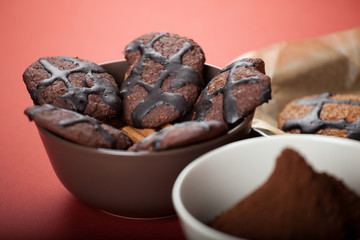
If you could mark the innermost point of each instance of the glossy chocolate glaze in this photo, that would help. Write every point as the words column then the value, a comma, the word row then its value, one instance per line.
column 80, row 119
column 78, row 96
column 156, row 96
column 161, row 134
column 311, row 123
column 230, row 113
column 156, row 140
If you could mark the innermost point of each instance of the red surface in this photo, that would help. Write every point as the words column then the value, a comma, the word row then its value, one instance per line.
column 33, row 203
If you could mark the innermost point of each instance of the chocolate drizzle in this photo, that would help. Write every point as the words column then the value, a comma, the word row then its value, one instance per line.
column 78, row 96
column 311, row 123
column 230, row 113
column 156, row 96
column 157, row 139
column 161, row 134
column 80, row 119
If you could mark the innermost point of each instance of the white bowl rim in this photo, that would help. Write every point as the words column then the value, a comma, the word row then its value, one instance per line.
column 207, row 230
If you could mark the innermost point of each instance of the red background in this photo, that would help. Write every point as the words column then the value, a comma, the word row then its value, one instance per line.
column 33, row 203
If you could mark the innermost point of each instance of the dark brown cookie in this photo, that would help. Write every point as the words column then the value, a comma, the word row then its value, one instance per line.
column 325, row 114
column 78, row 128
column 163, row 81
column 74, row 84
column 180, row 135
column 234, row 92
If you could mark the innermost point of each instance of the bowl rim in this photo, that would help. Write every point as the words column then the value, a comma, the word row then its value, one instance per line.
column 119, row 152
column 206, row 230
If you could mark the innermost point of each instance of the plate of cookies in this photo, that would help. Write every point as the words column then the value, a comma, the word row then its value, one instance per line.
column 118, row 134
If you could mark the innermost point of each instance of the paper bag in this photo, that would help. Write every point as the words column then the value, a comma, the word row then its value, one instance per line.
column 326, row 64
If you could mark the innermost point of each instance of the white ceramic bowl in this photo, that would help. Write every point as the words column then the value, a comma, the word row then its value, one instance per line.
column 131, row 184
column 217, row 180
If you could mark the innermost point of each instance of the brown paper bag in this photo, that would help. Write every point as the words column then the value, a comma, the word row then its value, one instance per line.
column 327, row 64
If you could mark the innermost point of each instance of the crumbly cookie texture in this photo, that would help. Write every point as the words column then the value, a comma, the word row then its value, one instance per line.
column 161, row 87
column 78, row 128
column 326, row 114
column 73, row 84
column 234, row 92
column 180, row 135
column 163, row 81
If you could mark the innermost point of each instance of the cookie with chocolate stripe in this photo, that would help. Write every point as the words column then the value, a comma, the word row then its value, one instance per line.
column 326, row 114
column 234, row 92
column 77, row 127
column 180, row 135
column 74, row 84
column 163, row 81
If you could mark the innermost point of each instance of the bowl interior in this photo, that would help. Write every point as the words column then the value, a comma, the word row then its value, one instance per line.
column 217, row 180
column 118, row 69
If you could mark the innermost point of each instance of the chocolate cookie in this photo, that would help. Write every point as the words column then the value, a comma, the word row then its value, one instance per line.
column 163, row 81
column 78, row 128
column 74, row 84
column 180, row 135
column 234, row 92
column 326, row 114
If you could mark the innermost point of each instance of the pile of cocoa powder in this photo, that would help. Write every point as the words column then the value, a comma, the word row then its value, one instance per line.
column 295, row 203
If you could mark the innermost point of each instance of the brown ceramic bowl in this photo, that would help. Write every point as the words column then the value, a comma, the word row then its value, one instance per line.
column 131, row 184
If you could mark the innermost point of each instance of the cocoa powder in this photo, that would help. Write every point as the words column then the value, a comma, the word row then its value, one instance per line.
column 295, row 203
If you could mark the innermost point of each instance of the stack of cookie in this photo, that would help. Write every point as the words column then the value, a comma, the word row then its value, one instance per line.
column 162, row 103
